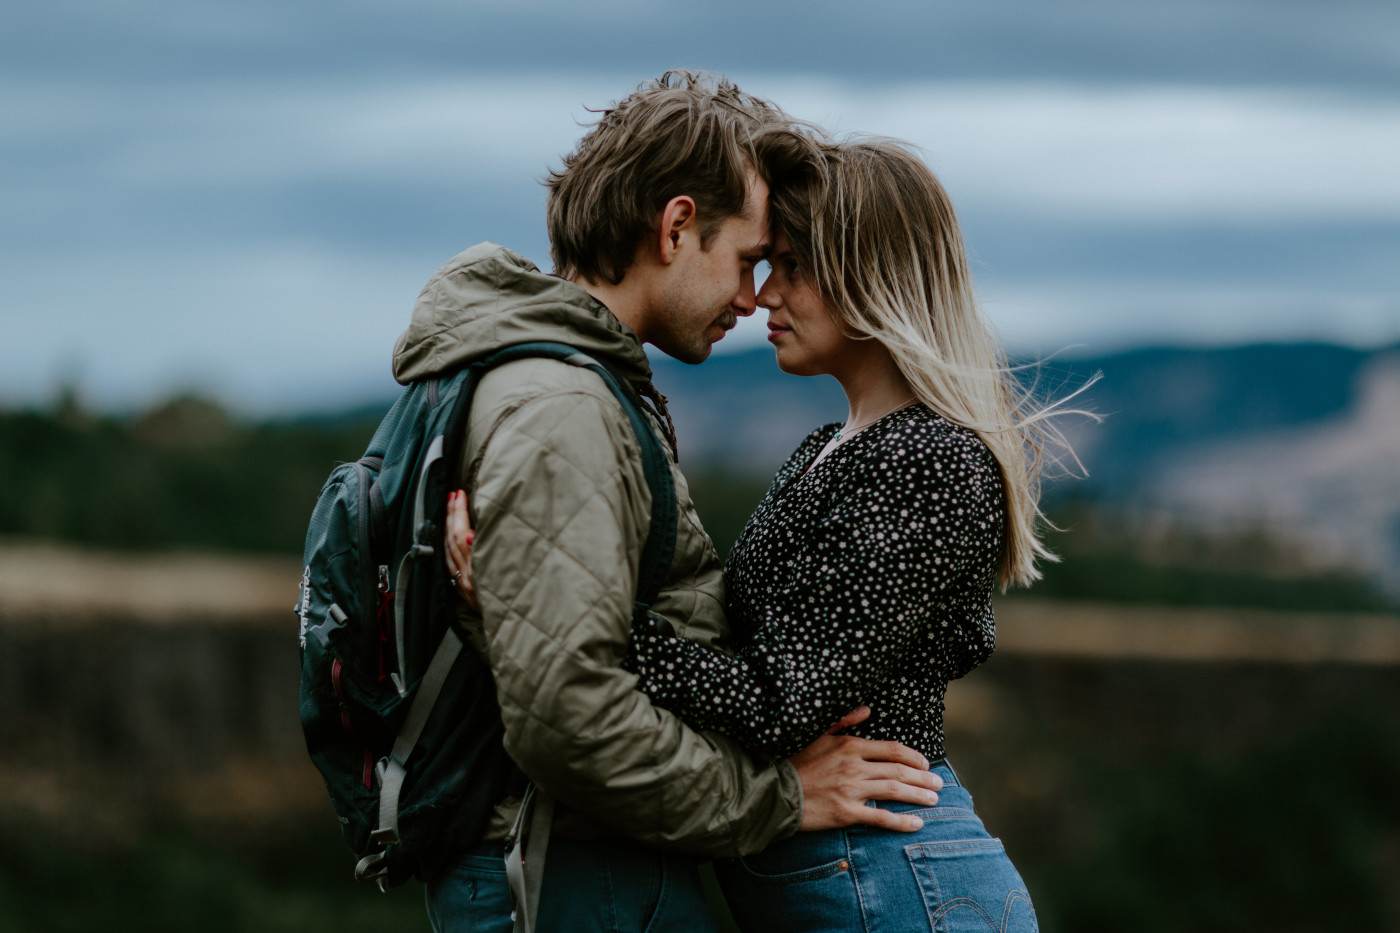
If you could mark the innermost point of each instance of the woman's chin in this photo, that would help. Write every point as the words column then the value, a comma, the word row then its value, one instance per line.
column 794, row 365
column 786, row 365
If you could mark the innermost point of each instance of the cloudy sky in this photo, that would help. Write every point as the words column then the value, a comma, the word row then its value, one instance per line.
column 244, row 197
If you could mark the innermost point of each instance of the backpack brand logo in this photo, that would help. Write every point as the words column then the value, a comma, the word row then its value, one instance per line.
column 304, row 608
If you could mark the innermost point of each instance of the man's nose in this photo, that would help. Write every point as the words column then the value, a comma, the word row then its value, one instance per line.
column 745, row 302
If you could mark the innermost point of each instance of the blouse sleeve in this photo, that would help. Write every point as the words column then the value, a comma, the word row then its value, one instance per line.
column 917, row 521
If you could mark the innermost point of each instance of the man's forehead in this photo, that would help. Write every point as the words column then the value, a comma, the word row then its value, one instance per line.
column 757, row 237
column 759, row 247
column 758, row 205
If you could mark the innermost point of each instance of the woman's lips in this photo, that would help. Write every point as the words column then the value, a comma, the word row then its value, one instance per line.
column 775, row 332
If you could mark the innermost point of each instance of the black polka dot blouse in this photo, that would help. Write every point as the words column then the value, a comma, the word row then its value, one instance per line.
column 864, row 580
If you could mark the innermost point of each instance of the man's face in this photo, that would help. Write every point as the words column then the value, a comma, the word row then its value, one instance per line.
column 711, row 288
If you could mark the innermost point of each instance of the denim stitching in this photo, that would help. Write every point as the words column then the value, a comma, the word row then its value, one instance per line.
column 661, row 895
column 921, row 888
column 935, row 913
column 938, row 813
column 855, row 881
column 1011, row 899
column 958, row 845
column 807, row 874
column 947, row 906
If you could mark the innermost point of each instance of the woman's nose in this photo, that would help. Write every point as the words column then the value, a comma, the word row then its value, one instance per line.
column 769, row 297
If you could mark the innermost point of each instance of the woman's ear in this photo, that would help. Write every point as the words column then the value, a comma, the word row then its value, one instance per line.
column 677, row 219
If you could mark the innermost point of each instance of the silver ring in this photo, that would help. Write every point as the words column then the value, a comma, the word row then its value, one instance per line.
column 456, row 578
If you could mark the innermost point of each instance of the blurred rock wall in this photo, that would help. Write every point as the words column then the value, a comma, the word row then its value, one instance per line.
column 113, row 721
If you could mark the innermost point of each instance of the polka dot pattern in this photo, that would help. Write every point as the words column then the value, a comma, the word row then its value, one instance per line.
column 864, row 580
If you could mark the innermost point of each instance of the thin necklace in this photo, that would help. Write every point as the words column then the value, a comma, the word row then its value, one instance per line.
column 848, row 430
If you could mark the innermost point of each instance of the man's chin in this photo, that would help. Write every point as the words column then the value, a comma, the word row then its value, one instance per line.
column 694, row 355
column 697, row 352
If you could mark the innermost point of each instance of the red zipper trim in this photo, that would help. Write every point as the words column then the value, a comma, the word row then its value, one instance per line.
column 367, row 778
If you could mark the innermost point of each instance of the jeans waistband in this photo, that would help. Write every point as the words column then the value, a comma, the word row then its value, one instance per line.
column 946, row 772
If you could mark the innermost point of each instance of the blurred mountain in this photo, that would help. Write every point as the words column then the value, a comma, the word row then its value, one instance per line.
column 1220, row 476
column 1299, row 442
column 741, row 411
column 1162, row 405
column 1331, row 486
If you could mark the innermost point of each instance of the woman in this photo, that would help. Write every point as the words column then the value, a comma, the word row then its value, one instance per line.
column 865, row 575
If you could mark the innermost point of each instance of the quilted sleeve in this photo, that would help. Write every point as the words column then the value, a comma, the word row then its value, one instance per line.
column 560, row 505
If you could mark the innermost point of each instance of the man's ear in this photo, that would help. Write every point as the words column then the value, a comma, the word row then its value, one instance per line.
column 677, row 219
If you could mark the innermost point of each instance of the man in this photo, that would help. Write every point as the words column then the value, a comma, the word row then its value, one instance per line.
column 656, row 223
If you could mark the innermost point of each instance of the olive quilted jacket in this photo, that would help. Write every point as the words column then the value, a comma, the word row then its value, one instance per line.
column 561, row 509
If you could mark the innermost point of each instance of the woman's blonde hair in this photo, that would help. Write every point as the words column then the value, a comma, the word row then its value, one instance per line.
column 882, row 245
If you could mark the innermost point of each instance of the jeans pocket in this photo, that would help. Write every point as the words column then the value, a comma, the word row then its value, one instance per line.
column 970, row 886
column 470, row 894
column 803, row 857
column 801, row 883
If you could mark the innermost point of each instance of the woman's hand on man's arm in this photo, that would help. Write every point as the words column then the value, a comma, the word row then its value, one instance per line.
column 459, row 537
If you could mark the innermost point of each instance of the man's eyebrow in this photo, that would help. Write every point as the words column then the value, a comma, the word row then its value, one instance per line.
column 759, row 250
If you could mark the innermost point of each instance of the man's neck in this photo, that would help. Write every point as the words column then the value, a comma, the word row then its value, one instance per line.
column 623, row 301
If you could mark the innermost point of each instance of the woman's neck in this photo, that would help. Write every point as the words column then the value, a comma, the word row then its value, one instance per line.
column 874, row 386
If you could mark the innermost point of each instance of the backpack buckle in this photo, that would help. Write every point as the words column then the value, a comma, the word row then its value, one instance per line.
column 373, row 867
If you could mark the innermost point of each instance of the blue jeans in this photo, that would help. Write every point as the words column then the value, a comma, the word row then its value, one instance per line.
column 589, row 887
column 948, row 877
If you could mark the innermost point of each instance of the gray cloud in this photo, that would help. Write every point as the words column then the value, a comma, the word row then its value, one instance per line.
column 248, row 196
column 1347, row 43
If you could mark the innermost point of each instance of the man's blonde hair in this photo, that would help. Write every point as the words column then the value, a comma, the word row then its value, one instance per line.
column 879, row 237
column 684, row 133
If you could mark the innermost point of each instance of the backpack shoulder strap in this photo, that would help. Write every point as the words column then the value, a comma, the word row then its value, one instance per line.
column 661, row 534
column 536, row 810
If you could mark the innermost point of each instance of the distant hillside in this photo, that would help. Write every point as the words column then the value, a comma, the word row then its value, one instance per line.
column 1159, row 403
column 1332, row 486
column 741, row 410
column 1297, row 443
column 1265, row 476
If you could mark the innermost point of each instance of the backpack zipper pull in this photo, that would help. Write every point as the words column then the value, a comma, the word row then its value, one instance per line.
column 386, row 598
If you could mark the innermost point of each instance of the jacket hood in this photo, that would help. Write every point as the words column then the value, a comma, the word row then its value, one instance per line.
column 489, row 297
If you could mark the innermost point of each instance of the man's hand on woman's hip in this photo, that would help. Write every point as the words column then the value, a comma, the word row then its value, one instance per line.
column 841, row 772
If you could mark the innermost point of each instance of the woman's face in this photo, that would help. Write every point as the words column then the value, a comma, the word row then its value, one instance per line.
column 807, row 337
